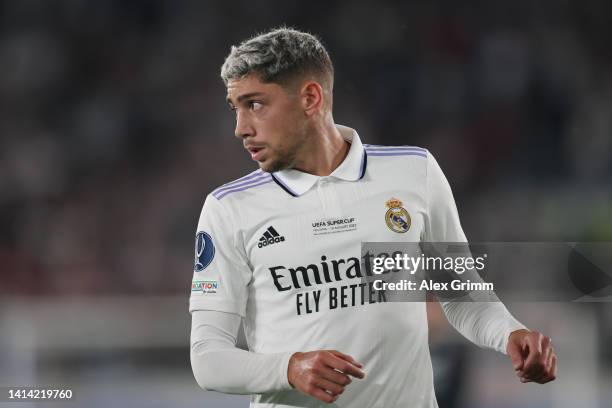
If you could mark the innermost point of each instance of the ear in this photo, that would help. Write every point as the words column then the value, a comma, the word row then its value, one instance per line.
column 311, row 95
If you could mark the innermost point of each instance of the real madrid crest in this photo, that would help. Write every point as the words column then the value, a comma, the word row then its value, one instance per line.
column 397, row 218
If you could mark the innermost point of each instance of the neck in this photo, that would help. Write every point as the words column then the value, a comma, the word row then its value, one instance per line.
column 325, row 152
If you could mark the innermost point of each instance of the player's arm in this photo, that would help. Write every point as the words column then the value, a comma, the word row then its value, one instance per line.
column 487, row 324
column 218, row 301
column 219, row 365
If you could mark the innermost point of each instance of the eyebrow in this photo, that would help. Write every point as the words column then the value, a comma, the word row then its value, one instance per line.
column 243, row 97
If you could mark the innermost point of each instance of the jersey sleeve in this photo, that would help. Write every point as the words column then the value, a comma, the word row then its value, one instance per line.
column 486, row 324
column 442, row 219
column 218, row 365
column 221, row 273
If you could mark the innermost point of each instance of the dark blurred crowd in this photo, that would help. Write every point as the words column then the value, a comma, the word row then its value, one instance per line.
column 113, row 124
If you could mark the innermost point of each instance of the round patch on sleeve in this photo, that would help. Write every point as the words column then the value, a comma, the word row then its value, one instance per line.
column 204, row 251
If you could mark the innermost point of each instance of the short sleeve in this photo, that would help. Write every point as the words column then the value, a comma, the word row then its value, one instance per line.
column 442, row 224
column 221, row 273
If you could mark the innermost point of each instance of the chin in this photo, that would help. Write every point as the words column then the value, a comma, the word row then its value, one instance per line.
column 266, row 166
column 271, row 166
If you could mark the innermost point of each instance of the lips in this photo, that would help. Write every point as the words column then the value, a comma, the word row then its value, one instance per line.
column 256, row 152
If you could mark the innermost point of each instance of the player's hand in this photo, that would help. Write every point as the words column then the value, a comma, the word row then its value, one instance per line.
column 322, row 374
column 533, row 356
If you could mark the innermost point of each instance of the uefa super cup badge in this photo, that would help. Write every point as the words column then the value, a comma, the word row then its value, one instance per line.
column 397, row 218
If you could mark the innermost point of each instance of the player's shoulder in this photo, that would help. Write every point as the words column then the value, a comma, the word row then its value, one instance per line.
column 395, row 151
column 252, row 182
column 409, row 161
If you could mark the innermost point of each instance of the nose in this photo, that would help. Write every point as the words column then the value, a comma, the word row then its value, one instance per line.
column 243, row 127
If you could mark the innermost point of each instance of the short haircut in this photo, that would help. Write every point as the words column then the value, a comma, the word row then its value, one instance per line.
column 280, row 56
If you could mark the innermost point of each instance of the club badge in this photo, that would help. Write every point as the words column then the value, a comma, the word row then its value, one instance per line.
column 397, row 218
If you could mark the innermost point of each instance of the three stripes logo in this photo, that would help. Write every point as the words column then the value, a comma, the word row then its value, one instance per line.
column 271, row 236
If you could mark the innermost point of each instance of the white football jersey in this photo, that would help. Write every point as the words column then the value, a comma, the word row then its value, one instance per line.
column 283, row 251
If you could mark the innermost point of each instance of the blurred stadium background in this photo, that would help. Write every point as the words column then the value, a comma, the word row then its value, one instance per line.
column 113, row 128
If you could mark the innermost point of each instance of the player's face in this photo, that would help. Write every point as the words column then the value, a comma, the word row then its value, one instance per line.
column 269, row 120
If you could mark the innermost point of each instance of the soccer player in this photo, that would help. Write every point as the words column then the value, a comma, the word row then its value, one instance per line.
column 279, row 249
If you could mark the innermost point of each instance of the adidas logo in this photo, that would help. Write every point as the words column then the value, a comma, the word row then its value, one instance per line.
column 271, row 236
